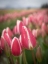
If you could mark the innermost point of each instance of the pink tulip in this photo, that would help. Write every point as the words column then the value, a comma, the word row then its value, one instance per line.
column 19, row 25
column 2, row 42
column 39, row 54
column 15, row 30
column 1, row 18
column 31, row 17
column 47, row 29
column 46, row 18
column 25, row 21
column 15, row 47
column 28, row 40
column 5, row 39
column 2, row 39
column 3, row 32
column 43, row 29
column 9, row 31
column 36, row 32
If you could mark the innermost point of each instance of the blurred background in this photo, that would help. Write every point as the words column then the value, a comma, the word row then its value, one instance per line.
column 21, row 4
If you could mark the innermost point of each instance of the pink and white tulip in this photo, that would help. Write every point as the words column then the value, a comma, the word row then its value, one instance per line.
column 36, row 32
column 16, row 47
column 18, row 26
column 25, row 21
column 28, row 40
column 15, row 30
column 9, row 31
column 5, row 39
column 43, row 29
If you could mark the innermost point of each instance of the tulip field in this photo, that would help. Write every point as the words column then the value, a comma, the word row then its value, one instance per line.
column 24, row 37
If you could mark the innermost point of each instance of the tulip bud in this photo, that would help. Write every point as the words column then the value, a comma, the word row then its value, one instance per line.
column 19, row 25
column 31, row 18
column 28, row 40
column 25, row 21
column 3, row 32
column 36, row 32
column 47, row 29
column 2, row 42
column 9, row 31
column 43, row 29
column 15, row 30
column 5, row 38
column 15, row 47
column 39, row 54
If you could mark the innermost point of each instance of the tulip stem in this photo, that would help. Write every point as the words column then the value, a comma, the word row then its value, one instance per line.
column 19, row 59
column 11, row 60
column 24, row 57
column 33, row 56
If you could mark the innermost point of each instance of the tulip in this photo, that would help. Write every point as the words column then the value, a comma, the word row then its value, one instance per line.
column 31, row 17
column 19, row 25
column 5, row 38
column 9, row 31
column 43, row 29
column 15, row 47
column 39, row 54
column 15, row 30
column 25, row 21
column 3, row 32
column 2, row 42
column 28, row 40
column 36, row 32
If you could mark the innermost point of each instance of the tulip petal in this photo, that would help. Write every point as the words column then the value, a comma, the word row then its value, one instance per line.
column 32, row 38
